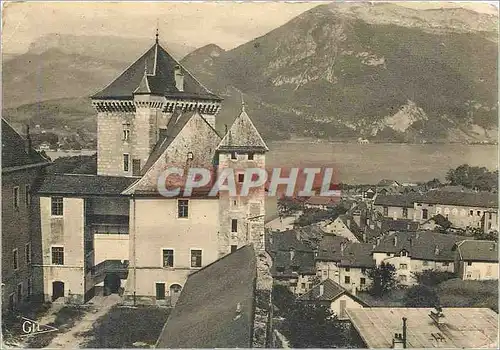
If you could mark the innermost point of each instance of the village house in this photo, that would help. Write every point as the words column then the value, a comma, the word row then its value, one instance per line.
column 413, row 252
column 97, row 230
column 462, row 209
column 22, row 167
column 476, row 260
column 489, row 221
column 321, row 202
column 344, row 262
column 396, row 206
column 293, row 261
column 339, row 227
column 337, row 298
column 424, row 328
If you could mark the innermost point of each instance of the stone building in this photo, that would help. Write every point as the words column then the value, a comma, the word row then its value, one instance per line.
column 22, row 167
column 118, row 228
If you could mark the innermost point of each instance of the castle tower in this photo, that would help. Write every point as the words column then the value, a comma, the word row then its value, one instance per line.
column 134, row 110
column 242, row 216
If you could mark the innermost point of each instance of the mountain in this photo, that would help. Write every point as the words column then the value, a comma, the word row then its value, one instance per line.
column 345, row 68
column 339, row 71
column 113, row 48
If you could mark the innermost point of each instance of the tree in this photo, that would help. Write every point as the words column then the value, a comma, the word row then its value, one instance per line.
column 421, row 296
column 283, row 299
column 310, row 325
column 432, row 278
column 473, row 177
column 383, row 279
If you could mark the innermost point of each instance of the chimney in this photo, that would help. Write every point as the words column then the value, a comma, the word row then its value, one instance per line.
column 395, row 240
column 397, row 341
column 28, row 140
column 292, row 254
column 321, row 290
column 179, row 78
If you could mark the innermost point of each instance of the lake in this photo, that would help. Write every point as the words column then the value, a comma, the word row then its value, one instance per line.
column 357, row 164
column 360, row 164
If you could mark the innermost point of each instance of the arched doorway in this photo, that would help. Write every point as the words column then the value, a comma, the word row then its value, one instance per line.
column 175, row 292
column 57, row 290
column 111, row 283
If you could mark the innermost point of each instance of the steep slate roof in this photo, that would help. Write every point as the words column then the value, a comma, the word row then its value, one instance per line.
column 329, row 248
column 79, row 184
column 397, row 200
column 205, row 315
column 476, row 250
column 331, row 291
column 243, row 136
column 465, row 199
column 153, row 72
column 357, row 255
column 14, row 150
column 420, row 245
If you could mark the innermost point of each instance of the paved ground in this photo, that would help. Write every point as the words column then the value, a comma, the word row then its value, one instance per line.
column 72, row 338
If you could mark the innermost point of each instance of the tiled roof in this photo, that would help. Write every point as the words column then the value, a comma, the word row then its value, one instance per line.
column 285, row 262
column 159, row 79
column 14, row 153
column 331, row 291
column 242, row 135
column 397, row 200
column 329, row 248
column 357, row 255
column 466, row 199
column 476, row 250
column 420, row 245
column 206, row 315
column 399, row 225
column 78, row 184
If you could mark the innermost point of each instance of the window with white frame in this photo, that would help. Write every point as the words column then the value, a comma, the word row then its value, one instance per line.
column 182, row 208
column 126, row 131
column 56, row 204
column 57, row 255
column 168, row 258
column 403, row 266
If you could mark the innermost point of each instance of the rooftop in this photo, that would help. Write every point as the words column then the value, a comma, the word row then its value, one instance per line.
column 80, row 184
column 14, row 152
column 154, row 72
column 331, row 291
column 216, row 306
column 476, row 250
column 462, row 327
column 423, row 245
column 397, row 200
column 243, row 136
column 466, row 199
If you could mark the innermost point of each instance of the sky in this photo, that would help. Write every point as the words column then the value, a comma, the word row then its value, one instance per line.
column 227, row 24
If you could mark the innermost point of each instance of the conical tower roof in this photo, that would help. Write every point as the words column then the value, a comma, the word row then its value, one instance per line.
column 243, row 136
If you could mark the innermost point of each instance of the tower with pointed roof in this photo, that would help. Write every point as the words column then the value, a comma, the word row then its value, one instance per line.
column 134, row 110
column 242, row 216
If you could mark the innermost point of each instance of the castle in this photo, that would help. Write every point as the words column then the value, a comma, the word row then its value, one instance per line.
column 114, row 230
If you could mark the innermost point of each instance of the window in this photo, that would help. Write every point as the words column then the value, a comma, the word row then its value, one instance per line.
column 471, row 213
column 19, row 292
column 126, row 160
column 403, row 278
column 126, row 131
column 27, row 253
column 405, row 212
column 404, row 253
column 403, row 266
column 478, row 213
column 362, row 281
column 386, row 211
column 425, row 263
column 241, row 178
column 325, row 272
column 446, row 263
column 234, row 225
column 168, row 258
column 425, row 213
column 15, row 259
column 57, row 206
column 250, row 156
column 16, row 197
column 195, row 258
column 57, row 255
column 160, row 291
column 233, row 155
column 438, row 210
column 136, row 167
column 190, row 155
column 490, row 216
column 234, row 248
column 183, row 208
column 27, row 196
column 347, row 269
column 469, row 263
column 363, row 270
column 347, row 279
column 489, row 225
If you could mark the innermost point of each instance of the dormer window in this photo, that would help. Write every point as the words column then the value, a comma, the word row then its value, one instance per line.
column 250, row 156
column 190, row 156
column 233, row 155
